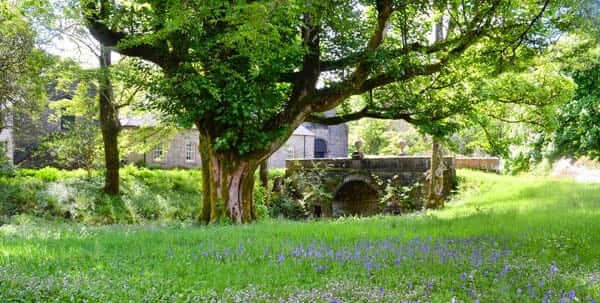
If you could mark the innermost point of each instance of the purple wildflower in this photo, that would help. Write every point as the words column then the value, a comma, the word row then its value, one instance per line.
column 553, row 268
column 572, row 294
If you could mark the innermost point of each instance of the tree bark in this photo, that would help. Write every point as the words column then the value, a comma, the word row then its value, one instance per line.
column 227, row 184
column 110, row 125
column 264, row 174
column 436, row 175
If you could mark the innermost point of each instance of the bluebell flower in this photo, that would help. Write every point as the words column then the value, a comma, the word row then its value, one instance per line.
column 553, row 268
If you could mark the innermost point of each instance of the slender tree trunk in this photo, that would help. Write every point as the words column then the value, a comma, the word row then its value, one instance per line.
column 110, row 125
column 436, row 186
column 436, row 181
column 227, row 185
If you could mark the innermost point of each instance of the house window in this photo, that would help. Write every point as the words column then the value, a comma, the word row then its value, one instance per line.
column 157, row 153
column 190, row 152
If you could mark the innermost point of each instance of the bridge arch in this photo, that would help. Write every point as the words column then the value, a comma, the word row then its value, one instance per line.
column 356, row 195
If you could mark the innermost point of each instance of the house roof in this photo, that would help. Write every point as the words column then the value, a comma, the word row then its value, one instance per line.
column 303, row 131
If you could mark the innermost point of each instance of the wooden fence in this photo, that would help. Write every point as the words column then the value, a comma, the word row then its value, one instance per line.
column 487, row 164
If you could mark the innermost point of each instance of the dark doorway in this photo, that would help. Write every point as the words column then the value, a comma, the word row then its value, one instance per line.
column 317, row 211
column 320, row 148
column 355, row 198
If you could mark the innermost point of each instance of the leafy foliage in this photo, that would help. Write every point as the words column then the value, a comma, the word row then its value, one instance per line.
column 246, row 98
column 578, row 132
column 24, row 68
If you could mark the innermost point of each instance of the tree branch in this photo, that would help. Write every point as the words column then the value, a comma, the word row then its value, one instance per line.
column 529, row 27
column 364, row 113
column 95, row 17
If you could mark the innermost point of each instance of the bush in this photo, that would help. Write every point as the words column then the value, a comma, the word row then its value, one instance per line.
column 146, row 195
column 261, row 196
column 284, row 206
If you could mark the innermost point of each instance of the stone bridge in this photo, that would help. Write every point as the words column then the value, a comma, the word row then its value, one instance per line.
column 357, row 185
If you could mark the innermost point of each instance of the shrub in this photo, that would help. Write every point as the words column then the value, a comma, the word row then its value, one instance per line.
column 146, row 195
column 260, row 202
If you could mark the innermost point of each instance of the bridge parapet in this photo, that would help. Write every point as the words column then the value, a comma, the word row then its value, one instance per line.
column 383, row 166
column 361, row 179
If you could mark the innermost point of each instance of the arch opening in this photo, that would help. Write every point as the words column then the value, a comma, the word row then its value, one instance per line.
column 320, row 148
column 355, row 198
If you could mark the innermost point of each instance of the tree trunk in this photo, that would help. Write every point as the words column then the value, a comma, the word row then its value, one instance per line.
column 436, row 175
column 110, row 125
column 227, row 185
column 264, row 174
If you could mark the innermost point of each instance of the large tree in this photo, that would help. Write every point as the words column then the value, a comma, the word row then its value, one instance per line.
column 247, row 73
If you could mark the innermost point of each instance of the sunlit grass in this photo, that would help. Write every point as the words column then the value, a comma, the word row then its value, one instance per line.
column 503, row 239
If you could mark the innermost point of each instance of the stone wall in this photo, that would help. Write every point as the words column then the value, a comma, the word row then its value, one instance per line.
column 482, row 163
column 336, row 137
column 173, row 152
column 356, row 184
column 409, row 169
column 297, row 147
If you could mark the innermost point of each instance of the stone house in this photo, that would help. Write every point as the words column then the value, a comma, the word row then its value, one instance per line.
column 308, row 141
column 22, row 135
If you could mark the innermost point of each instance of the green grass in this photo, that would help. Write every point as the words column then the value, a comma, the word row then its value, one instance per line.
column 503, row 239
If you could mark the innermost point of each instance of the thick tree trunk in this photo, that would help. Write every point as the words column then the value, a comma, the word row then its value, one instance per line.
column 110, row 125
column 227, row 185
column 436, row 181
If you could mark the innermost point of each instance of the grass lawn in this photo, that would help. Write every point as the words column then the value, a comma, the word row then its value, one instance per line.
column 503, row 239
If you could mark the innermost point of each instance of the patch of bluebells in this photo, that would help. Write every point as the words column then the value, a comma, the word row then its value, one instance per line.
column 486, row 259
column 477, row 269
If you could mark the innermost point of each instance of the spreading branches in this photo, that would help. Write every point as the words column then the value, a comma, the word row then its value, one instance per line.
column 366, row 112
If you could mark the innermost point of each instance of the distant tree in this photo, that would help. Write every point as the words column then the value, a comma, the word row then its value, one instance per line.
column 372, row 135
column 24, row 68
column 246, row 74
